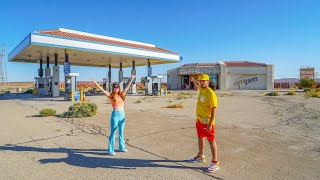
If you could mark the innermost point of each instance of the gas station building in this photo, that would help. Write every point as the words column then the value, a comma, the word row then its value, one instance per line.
column 69, row 47
column 226, row 75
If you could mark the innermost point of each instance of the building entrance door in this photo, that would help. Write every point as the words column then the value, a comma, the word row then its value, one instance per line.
column 215, row 79
column 186, row 82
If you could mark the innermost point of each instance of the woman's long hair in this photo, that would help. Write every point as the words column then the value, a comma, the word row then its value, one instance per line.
column 114, row 97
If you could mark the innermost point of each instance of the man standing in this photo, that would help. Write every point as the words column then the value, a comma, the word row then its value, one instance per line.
column 205, row 121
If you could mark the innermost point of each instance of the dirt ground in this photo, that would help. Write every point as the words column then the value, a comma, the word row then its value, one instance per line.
column 258, row 137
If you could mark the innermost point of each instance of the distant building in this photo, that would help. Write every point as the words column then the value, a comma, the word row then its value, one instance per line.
column 226, row 75
column 307, row 73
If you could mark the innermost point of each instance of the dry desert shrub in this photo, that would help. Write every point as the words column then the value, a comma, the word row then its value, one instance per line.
column 81, row 110
column 291, row 93
column 312, row 94
column 175, row 106
column 227, row 94
column 307, row 90
column 138, row 101
column 275, row 93
column 28, row 91
column 143, row 99
column 5, row 91
column 184, row 95
column 47, row 112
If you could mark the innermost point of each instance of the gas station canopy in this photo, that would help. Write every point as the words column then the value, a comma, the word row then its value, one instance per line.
column 86, row 49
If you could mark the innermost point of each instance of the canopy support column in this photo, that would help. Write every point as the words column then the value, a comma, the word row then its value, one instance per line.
column 121, row 77
column 133, row 72
column 55, row 77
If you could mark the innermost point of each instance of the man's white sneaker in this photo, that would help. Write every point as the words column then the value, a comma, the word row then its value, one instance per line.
column 214, row 167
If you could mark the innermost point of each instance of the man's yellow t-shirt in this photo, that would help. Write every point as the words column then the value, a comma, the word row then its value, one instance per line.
column 207, row 100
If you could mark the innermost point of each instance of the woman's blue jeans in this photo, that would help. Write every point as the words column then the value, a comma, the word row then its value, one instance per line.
column 117, row 121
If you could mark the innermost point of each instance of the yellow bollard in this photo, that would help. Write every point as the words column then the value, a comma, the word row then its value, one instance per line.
column 81, row 95
column 160, row 91
column 72, row 96
column 34, row 91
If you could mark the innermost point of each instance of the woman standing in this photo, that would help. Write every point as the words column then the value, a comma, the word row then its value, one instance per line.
column 117, row 119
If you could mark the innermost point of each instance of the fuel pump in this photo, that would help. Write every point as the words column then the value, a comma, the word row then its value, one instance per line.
column 71, row 92
column 153, row 85
column 40, row 85
column 106, row 84
column 126, row 81
column 132, row 88
column 48, row 86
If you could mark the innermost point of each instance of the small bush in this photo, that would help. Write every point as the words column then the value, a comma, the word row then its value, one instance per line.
column 175, row 106
column 168, row 92
column 273, row 94
column 308, row 83
column 47, row 112
column 294, row 88
column 317, row 90
column 184, row 95
column 28, row 91
column 313, row 94
column 80, row 110
column 307, row 90
column 181, row 96
column 227, row 94
column 138, row 101
column 291, row 93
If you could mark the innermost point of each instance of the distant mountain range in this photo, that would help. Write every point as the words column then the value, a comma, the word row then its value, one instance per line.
column 291, row 80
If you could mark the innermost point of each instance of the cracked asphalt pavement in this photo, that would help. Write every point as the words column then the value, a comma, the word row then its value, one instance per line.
column 258, row 137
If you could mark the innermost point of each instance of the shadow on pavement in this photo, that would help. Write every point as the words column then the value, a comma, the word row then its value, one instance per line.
column 76, row 157
column 29, row 97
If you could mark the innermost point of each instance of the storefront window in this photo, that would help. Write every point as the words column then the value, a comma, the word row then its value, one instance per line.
column 215, row 79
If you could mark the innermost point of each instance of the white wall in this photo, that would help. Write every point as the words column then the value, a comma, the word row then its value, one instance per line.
column 270, row 77
column 246, row 70
column 173, row 79
column 235, row 77
column 222, row 76
column 246, row 82
column 246, row 78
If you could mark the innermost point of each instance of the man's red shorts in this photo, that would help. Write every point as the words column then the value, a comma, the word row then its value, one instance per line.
column 202, row 132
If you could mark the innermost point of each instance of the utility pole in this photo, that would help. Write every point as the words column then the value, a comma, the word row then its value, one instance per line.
column 3, row 66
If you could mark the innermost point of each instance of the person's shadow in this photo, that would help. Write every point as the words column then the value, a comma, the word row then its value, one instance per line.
column 77, row 157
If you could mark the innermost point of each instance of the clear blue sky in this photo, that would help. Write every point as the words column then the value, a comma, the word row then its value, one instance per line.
column 285, row 33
